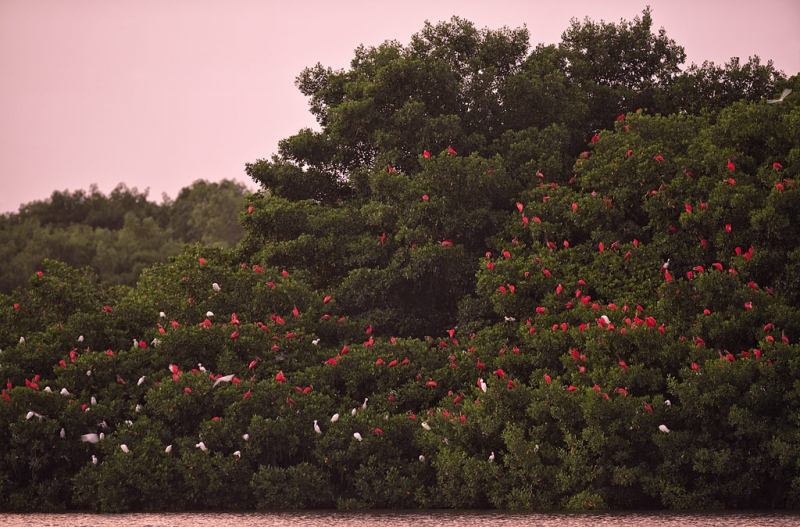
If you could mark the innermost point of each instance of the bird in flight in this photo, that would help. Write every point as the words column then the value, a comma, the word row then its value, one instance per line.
column 784, row 93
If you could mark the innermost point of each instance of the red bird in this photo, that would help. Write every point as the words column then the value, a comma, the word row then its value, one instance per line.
column 659, row 159
column 280, row 377
column 731, row 166
column 383, row 238
column 451, row 151
column 426, row 154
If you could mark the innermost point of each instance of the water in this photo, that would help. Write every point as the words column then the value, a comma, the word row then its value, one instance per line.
column 407, row 519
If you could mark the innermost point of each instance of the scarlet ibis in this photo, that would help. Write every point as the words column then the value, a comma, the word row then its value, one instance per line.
column 451, row 151
column 658, row 158
column 731, row 166
column 426, row 154
column 280, row 377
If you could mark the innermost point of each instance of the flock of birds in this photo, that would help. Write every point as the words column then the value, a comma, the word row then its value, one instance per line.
column 603, row 321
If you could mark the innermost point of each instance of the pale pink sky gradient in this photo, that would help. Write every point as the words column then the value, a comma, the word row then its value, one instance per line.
column 159, row 93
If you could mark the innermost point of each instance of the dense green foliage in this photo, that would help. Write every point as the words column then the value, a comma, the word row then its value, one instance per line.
column 538, row 314
column 119, row 234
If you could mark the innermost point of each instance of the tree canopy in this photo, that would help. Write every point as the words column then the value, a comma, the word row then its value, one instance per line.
column 549, row 278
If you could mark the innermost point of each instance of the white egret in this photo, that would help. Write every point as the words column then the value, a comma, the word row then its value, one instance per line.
column 483, row 385
column 334, row 418
column 124, row 448
column 102, row 436
column 22, row 340
column 357, row 436
column 63, row 433
column 88, row 373
column 64, row 391
column 227, row 378
column 421, row 458
column 426, row 426
column 216, row 287
column 93, row 400
column 316, row 427
column 663, row 428
column 162, row 314
column 209, row 314
column 246, row 437
column 201, row 446
column 138, row 408
column 201, row 367
column 784, row 93
column 141, row 381
column 80, row 339
column 491, row 457
column 31, row 414
column 47, row 389
column 315, row 342
column 91, row 438
column 94, row 459
column 238, row 454
column 168, row 449
column 364, row 405
column 353, row 411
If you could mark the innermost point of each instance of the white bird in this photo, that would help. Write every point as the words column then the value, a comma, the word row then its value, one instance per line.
column 201, row 367
column 47, row 389
column 102, row 436
column 216, row 287
column 483, row 385
column 138, row 408
column 94, row 459
column 135, row 342
column 168, row 449
column 238, row 454
column 353, row 411
column 663, row 428
column 124, row 448
column 535, row 448
column 227, row 378
column 155, row 342
column 209, row 314
column 88, row 373
column 31, row 414
column 63, row 433
column 162, row 314
column 665, row 265
column 104, row 425
column 334, row 418
column 201, row 446
column 22, row 340
column 93, row 400
column 128, row 422
column 357, row 436
column 668, row 403
column 315, row 342
column 80, row 339
column 364, row 406
column 605, row 319
column 64, row 391
column 246, row 437
column 421, row 458
column 491, row 457
column 784, row 93
column 426, row 426
column 510, row 319
column 316, row 427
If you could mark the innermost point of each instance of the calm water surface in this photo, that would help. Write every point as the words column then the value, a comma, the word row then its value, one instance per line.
column 406, row 519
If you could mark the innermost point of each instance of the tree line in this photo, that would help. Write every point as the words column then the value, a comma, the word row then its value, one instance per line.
column 117, row 235
column 553, row 278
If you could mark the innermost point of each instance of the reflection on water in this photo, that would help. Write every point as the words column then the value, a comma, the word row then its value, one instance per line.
column 407, row 519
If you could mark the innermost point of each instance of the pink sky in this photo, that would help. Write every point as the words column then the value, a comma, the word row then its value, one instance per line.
column 160, row 93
